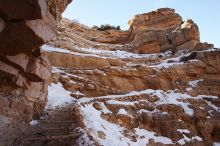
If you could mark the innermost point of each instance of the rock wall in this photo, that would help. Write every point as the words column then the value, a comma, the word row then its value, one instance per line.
column 157, row 32
column 24, row 71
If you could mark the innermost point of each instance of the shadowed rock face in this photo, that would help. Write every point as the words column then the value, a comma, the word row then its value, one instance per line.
column 24, row 71
column 28, row 24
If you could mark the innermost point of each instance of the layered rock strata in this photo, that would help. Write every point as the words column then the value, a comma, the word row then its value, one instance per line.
column 154, row 84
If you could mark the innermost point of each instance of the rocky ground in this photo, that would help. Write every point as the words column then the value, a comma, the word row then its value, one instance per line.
column 155, row 84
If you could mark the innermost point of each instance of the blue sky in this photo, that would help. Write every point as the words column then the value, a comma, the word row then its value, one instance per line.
column 206, row 13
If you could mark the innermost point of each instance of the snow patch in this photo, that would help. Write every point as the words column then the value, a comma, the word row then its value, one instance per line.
column 113, row 132
column 58, row 96
column 189, row 89
column 166, row 64
column 150, row 135
column 168, row 97
column 212, row 49
column 122, row 111
column 216, row 144
column 48, row 48
column 78, row 93
column 195, row 83
column 34, row 122
column 183, row 130
column 186, row 139
column 119, row 102
column 169, row 63
column 117, row 53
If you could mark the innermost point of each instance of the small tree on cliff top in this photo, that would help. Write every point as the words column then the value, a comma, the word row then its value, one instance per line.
column 104, row 27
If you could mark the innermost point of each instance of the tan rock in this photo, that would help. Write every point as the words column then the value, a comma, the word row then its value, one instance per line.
column 20, row 59
column 55, row 77
column 77, row 96
column 161, row 19
column 155, row 41
column 9, row 69
column 39, row 68
column 102, row 135
column 203, row 46
column 70, row 61
column 99, row 72
column 97, row 106
column 65, row 79
column 188, row 45
column 89, row 86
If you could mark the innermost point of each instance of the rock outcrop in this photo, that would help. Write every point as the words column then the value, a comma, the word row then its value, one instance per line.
column 174, row 76
column 162, row 30
column 24, row 27
column 153, row 32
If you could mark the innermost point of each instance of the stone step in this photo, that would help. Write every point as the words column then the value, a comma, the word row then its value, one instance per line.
column 54, row 125
column 59, row 117
column 98, row 85
column 44, row 138
column 51, row 121
column 59, row 110
column 50, row 141
column 56, row 128
column 54, row 132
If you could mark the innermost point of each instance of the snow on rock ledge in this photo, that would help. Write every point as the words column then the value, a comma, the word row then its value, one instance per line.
column 148, row 119
column 58, row 96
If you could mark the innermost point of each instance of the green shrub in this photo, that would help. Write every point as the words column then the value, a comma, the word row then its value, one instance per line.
column 104, row 27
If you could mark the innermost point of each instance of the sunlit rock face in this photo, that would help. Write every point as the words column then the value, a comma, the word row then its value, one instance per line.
column 161, row 30
column 153, row 84
column 24, row 71
column 113, row 51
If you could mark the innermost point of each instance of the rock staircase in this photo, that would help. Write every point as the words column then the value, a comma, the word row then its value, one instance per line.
column 90, row 85
column 54, row 129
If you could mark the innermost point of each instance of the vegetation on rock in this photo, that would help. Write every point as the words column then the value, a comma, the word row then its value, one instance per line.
column 104, row 27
